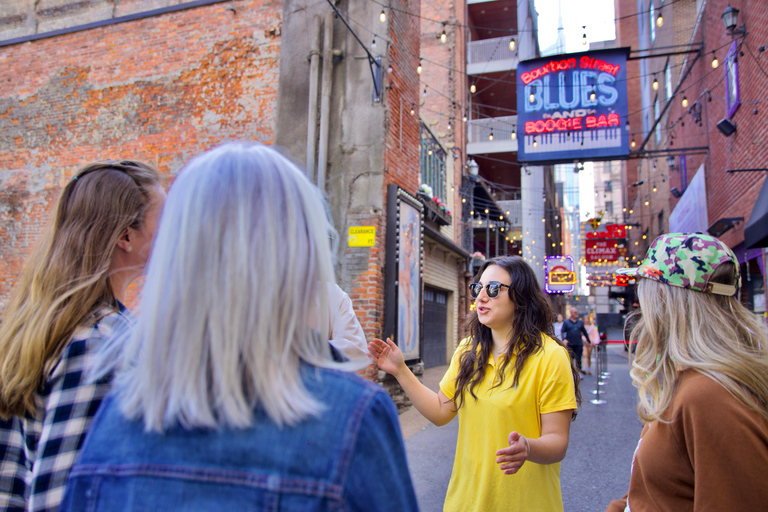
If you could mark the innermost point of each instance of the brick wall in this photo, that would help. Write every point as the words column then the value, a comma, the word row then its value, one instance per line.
column 187, row 81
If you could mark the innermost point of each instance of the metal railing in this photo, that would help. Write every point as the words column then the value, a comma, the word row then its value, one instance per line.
column 480, row 130
column 490, row 50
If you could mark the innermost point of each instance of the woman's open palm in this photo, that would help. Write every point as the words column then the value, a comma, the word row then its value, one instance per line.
column 386, row 355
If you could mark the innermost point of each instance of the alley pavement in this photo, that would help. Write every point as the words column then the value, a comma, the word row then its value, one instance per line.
column 602, row 441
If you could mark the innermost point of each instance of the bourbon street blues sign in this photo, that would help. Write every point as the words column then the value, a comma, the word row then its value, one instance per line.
column 573, row 107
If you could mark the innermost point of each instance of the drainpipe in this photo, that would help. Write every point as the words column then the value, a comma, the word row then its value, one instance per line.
column 314, row 78
column 325, row 101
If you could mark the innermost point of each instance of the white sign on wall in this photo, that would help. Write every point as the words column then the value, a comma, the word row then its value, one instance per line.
column 690, row 214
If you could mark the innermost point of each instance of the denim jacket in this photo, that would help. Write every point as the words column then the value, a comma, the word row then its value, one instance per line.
column 351, row 457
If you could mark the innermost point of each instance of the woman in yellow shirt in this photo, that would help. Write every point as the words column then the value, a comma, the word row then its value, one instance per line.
column 512, row 384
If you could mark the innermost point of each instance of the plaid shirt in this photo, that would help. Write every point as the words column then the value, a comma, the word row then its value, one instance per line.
column 37, row 453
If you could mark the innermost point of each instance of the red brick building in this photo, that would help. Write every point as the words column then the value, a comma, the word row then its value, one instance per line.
column 703, row 126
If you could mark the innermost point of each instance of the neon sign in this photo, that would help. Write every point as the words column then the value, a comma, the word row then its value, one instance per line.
column 573, row 107
column 560, row 274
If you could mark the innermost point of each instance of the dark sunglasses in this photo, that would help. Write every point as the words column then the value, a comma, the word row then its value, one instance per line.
column 491, row 288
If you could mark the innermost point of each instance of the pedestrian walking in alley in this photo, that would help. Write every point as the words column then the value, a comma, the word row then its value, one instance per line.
column 572, row 330
column 701, row 369
column 558, row 327
column 590, row 342
column 67, row 304
column 226, row 395
column 514, row 389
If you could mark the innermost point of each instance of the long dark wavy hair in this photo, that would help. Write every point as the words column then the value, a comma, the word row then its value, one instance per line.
column 534, row 316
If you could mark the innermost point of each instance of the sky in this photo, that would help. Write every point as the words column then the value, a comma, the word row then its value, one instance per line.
column 597, row 15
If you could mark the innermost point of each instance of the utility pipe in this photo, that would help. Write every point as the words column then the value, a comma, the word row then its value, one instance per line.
column 314, row 79
column 325, row 100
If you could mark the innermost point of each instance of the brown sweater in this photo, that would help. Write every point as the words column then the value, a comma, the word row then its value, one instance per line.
column 713, row 456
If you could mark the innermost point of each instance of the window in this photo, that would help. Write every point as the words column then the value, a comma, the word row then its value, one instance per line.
column 661, row 221
column 668, row 81
column 609, row 207
column 608, row 186
column 652, row 23
column 656, row 116
column 432, row 164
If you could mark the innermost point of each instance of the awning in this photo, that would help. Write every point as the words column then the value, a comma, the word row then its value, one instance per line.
column 756, row 230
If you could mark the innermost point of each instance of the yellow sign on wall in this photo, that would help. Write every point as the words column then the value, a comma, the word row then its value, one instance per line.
column 361, row 236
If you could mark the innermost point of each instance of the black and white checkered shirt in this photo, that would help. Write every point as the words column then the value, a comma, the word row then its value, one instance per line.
column 37, row 453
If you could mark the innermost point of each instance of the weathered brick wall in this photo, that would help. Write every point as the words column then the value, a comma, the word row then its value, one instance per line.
column 728, row 195
column 159, row 89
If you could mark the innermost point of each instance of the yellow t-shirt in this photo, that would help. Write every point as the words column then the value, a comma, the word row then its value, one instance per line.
column 477, row 483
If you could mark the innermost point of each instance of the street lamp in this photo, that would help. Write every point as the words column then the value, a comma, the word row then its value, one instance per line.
column 472, row 168
column 670, row 161
column 730, row 18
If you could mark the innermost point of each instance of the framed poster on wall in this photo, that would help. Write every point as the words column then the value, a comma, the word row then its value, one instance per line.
column 404, row 269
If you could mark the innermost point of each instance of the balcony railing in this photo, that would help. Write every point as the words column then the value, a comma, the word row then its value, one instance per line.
column 479, row 134
column 490, row 55
column 515, row 209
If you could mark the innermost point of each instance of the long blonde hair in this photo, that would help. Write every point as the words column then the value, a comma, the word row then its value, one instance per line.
column 65, row 282
column 680, row 329
column 240, row 265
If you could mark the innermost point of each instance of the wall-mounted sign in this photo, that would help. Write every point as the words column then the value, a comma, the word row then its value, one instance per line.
column 560, row 276
column 604, row 250
column 361, row 236
column 573, row 107
column 604, row 231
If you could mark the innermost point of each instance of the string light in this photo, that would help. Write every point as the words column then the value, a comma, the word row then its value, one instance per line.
column 655, row 83
column 449, row 124
column 373, row 44
column 654, row 187
column 418, row 68
column 425, row 92
column 472, row 88
column 382, row 16
column 633, row 145
column 514, row 134
column 512, row 44
column 715, row 62
column 659, row 19
column 584, row 37
column 413, row 110
column 443, row 35
column 490, row 137
column 685, row 102
column 532, row 98
column 534, row 142
column 464, row 117
column 592, row 95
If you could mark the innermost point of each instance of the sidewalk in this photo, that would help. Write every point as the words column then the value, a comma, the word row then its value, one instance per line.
column 602, row 441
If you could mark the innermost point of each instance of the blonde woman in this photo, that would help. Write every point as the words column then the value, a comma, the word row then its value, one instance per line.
column 68, row 301
column 226, row 395
column 701, row 369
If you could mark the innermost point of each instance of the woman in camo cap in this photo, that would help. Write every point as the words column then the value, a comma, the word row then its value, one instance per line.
column 701, row 370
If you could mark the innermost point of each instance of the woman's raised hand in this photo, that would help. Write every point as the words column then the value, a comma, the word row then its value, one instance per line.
column 386, row 355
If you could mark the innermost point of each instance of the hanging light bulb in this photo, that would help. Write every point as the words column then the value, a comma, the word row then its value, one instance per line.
column 425, row 92
column 389, row 68
column 382, row 16
column 584, row 37
column 592, row 95
column 633, row 142
column 443, row 36
column 514, row 134
column 532, row 97
column 413, row 110
column 490, row 137
column 655, row 83
column 659, row 19
column 685, row 102
column 373, row 44
column 715, row 62
column 534, row 142
column 464, row 117
column 472, row 88
column 418, row 68
column 449, row 124
column 512, row 44
column 654, row 187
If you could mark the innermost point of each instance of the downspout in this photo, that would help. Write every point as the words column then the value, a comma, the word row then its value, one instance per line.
column 325, row 101
column 314, row 77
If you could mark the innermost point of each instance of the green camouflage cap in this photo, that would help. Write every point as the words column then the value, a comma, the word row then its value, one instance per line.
column 687, row 261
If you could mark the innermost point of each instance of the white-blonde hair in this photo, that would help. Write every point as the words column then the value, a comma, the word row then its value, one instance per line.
column 239, row 264
column 680, row 329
